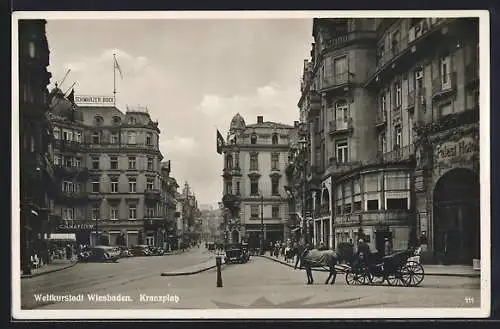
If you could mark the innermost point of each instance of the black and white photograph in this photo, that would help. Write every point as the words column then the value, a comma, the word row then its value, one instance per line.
column 307, row 164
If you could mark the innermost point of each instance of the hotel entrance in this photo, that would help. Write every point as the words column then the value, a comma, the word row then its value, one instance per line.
column 456, row 222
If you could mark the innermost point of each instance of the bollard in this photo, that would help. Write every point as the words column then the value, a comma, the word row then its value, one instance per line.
column 218, row 262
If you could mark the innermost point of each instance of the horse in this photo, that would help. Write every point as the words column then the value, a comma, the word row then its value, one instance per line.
column 314, row 258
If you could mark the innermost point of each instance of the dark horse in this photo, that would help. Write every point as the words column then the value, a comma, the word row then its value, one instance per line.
column 314, row 258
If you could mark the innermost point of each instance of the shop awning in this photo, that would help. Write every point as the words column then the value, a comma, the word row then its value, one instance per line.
column 296, row 229
column 62, row 237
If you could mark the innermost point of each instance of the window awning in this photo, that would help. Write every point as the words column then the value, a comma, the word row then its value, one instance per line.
column 62, row 237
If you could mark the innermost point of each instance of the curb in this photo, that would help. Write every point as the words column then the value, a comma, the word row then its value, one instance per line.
column 191, row 272
column 463, row 275
column 29, row 276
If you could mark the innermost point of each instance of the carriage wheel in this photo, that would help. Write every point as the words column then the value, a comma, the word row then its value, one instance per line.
column 350, row 278
column 396, row 278
column 375, row 279
column 412, row 274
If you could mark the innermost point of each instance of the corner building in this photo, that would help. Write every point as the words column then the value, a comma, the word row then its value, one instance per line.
column 394, row 133
column 255, row 159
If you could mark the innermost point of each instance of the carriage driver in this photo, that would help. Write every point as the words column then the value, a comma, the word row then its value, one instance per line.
column 363, row 251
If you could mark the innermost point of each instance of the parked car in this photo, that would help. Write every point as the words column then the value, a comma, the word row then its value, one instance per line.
column 141, row 250
column 156, row 251
column 125, row 252
column 100, row 254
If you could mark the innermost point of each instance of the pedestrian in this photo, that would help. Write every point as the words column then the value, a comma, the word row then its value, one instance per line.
column 363, row 251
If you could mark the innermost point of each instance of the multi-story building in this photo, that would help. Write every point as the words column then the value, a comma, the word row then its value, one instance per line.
column 189, row 215
column 392, row 106
column 168, row 208
column 108, row 166
column 255, row 158
column 34, row 140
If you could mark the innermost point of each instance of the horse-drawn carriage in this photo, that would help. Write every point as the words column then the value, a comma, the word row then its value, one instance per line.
column 237, row 253
column 399, row 269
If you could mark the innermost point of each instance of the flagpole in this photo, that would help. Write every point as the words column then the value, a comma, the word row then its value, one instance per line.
column 114, row 79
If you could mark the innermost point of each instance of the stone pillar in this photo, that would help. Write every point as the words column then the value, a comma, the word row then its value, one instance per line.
column 312, row 136
column 332, row 232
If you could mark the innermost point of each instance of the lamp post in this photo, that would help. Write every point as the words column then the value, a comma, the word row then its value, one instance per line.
column 303, row 145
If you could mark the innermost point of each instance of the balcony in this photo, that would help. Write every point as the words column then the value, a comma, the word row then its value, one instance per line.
column 340, row 126
column 338, row 168
column 231, row 200
column 79, row 173
column 71, row 146
column 444, row 85
column 449, row 121
column 73, row 198
column 404, row 153
column 152, row 195
column 336, row 81
column 314, row 103
column 153, row 223
column 381, row 120
column 472, row 75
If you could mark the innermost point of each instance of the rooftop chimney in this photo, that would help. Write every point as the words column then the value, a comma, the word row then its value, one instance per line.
column 260, row 119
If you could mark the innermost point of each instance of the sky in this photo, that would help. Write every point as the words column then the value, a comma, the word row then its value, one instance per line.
column 194, row 75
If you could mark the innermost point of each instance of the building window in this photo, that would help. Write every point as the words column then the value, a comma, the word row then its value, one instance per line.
column 254, row 186
column 131, row 163
column 342, row 151
column 254, row 211
column 131, row 138
column 275, row 183
column 397, row 137
column 150, row 184
column 356, row 206
column 383, row 142
column 150, row 163
column 150, row 212
column 67, row 186
column 113, row 213
column 96, row 213
column 56, row 133
column 78, row 162
column 397, row 94
column 340, row 68
column 67, row 135
column 68, row 214
column 341, row 115
column 229, row 188
column 114, row 185
column 397, row 204
column 275, row 158
column 253, row 139
column 254, row 162
column 445, row 71
column 347, row 198
column 383, row 107
column 238, row 188
column 132, row 120
column 445, row 109
column 132, row 185
column 95, row 186
column 149, row 139
column 68, row 161
column 372, row 205
column 275, row 211
column 229, row 161
column 96, row 138
column 78, row 136
column 275, row 139
column 57, row 159
column 114, row 138
column 132, row 212
column 396, row 42
column 114, row 162
column 95, row 163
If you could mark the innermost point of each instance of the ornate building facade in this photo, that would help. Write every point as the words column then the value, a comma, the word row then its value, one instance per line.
column 255, row 159
column 394, row 150
column 34, row 140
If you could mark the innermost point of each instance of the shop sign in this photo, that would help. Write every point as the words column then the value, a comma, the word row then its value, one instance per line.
column 94, row 100
column 449, row 151
column 77, row 226
column 423, row 27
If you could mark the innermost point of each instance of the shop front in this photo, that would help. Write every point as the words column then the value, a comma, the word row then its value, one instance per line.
column 82, row 231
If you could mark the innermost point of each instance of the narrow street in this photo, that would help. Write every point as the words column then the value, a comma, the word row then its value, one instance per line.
column 260, row 283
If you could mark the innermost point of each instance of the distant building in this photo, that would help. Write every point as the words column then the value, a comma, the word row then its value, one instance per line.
column 255, row 158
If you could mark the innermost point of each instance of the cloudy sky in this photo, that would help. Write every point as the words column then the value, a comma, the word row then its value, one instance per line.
column 193, row 75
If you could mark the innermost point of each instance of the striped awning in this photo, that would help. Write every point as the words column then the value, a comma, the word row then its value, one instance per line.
column 62, row 237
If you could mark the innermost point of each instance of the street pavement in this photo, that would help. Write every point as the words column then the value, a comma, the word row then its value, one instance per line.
column 260, row 283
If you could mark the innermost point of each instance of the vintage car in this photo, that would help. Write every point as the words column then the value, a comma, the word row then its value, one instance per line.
column 156, row 251
column 100, row 254
column 236, row 254
column 141, row 250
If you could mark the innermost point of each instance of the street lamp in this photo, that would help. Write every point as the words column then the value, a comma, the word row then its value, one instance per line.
column 303, row 146
column 261, row 223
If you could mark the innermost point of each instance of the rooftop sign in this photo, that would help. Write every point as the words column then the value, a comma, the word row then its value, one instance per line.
column 94, row 100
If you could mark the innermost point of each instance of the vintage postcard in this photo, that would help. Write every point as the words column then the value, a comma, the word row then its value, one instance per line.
column 307, row 164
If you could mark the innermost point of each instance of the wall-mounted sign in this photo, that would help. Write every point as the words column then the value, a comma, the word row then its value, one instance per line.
column 422, row 27
column 77, row 226
column 464, row 147
column 94, row 100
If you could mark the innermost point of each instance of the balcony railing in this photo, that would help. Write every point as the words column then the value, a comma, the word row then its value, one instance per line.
column 399, row 154
column 65, row 145
column 337, row 167
column 444, row 84
column 80, row 173
column 338, row 126
column 342, row 40
column 381, row 119
column 335, row 81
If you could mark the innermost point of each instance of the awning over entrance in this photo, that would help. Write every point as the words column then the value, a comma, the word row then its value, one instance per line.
column 62, row 237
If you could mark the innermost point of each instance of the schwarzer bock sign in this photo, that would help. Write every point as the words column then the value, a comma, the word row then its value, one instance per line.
column 94, row 100
column 459, row 151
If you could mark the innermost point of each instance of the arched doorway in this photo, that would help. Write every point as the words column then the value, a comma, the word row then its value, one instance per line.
column 236, row 236
column 457, row 217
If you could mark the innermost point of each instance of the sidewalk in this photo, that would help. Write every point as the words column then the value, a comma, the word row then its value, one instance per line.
column 194, row 269
column 56, row 265
column 433, row 270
